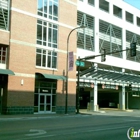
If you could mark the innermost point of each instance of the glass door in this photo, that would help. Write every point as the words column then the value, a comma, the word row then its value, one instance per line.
column 45, row 103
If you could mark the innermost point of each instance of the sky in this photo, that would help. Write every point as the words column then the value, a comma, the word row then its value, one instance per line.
column 135, row 3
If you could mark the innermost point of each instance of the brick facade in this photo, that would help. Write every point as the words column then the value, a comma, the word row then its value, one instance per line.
column 22, row 56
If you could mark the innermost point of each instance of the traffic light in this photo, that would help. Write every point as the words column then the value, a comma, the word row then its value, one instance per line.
column 130, row 86
column 133, row 49
column 103, row 55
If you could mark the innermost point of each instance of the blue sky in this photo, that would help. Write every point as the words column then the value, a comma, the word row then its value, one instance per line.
column 135, row 3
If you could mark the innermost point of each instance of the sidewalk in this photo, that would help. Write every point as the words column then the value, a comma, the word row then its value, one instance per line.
column 33, row 116
column 112, row 112
column 102, row 111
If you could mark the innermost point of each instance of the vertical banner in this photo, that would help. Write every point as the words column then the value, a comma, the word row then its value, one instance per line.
column 71, row 61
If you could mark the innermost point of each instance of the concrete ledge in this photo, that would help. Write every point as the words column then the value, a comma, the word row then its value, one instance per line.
column 128, row 110
column 84, row 111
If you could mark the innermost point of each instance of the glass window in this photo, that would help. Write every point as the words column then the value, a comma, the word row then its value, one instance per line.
column 46, row 58
column 129, row 17
column 138, row 21
column 3, row 54
column 104, row 5
column 48, row 9
column 47, row 34
column 117, row 11
column 91, row 2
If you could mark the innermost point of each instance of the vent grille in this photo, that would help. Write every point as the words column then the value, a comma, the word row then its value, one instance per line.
column 132, row 37
column 85, row 36
column 110, row 38
column 4, row 13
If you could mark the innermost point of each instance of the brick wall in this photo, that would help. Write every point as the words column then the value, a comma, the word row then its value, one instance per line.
column 4, row 37
column 25, row 5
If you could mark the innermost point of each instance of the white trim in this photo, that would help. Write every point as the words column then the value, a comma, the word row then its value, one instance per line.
column 37, row 46
column 7, row 31
column 24, row 75
column 75, row 4
column 46, row 68
column 42, row 18
column 22, row 43
column 72, row 80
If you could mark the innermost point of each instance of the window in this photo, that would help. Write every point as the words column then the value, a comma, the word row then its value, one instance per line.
column 3, row 54
column 138, row 21
column 117, row 11
column 46, row 58
column 129, row 17
column 4, row 14
column 48, row 9
column 104, row 5
column 91, row 2
column 47, row 34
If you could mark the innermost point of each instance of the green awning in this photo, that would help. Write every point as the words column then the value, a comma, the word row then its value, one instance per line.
column 51, row 76
column 6, row 71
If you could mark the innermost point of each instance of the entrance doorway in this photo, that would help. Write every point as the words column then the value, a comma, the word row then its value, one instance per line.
column 45, row 95
column 45, row 103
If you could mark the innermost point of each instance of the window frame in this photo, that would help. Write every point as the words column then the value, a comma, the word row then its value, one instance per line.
column 3, row 54
column 138, row 21
column 48, row 12
column 129, row 14
column 47, row 36
column 102, row 8
column 44, row 56
column 117, row 8
column 91, row 3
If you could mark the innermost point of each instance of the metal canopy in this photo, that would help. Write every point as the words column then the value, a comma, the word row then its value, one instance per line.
column 109, row 75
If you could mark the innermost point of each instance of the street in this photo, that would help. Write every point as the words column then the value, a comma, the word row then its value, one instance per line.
column 69, row 127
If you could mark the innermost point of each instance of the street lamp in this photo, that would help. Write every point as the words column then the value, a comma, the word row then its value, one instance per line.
column 66, row 100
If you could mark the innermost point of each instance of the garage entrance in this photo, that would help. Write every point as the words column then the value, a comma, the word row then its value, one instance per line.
column 108, row 96
column 108, row 99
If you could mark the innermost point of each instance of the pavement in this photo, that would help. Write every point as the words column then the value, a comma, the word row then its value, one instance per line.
column 102, row 111
column 113, row 112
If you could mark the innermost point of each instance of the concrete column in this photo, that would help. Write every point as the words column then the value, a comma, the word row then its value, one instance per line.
column 92, row 99
column 95, row 96
column 124, row 43
column 96, row 30
column 123, row 35
column 122, row 98
column 111, row 8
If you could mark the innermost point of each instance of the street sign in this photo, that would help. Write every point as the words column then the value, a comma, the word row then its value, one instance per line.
column 79, row 63
column 71, row 61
